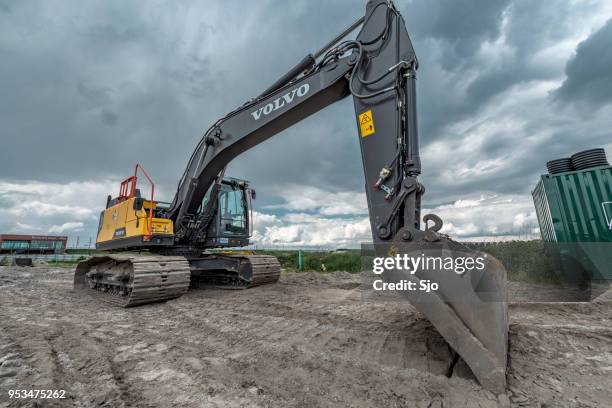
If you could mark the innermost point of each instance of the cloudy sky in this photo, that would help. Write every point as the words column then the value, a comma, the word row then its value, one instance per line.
column 90, row 88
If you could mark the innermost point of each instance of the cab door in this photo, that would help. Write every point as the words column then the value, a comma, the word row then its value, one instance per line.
column 233, row 215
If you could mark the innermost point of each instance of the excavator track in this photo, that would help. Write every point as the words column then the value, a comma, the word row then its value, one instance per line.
column 265, row 269
column 131, row 280
column 234, row 271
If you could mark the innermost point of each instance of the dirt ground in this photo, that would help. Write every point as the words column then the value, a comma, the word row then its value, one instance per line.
column 309, row 341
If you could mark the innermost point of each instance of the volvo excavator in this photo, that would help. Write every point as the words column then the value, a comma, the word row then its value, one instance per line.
column 157, row 249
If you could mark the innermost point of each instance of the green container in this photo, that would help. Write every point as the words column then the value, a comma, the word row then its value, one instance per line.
column 575, row 206
column 574, row 211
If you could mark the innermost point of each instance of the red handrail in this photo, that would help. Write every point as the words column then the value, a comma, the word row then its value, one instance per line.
column 127, row 188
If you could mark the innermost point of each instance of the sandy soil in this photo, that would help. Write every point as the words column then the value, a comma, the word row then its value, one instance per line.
column 309, row 341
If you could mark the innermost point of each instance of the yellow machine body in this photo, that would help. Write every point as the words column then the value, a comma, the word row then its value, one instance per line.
column 126, row 224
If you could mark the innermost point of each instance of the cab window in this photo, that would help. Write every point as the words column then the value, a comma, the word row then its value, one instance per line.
column 232, row 211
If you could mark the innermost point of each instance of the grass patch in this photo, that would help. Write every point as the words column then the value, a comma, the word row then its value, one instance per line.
column 319, row 261
column 61, row 264
column 84, row 251
column 524, row 261
column 50, row 262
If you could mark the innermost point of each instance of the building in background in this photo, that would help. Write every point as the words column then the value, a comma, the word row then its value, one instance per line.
column 32, row 244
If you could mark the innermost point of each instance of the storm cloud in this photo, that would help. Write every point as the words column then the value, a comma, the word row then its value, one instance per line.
column 89, row 89
column 589, row 73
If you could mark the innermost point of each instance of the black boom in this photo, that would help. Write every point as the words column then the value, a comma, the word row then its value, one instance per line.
column 378, row 69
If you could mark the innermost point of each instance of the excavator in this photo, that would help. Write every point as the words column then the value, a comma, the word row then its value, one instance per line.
column 156, row 249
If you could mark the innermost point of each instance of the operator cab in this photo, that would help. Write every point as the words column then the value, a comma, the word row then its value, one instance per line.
column 233, row 224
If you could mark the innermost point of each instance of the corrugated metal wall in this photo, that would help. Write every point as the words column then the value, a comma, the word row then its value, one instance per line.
column 547, row 229
column 575, row 206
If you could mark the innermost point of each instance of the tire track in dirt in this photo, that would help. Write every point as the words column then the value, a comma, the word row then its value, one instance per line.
column 59, row 359
column 411, row 344
column 310, row 340
column 270, row 367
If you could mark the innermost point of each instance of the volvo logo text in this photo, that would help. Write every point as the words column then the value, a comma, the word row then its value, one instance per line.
column 281, row 101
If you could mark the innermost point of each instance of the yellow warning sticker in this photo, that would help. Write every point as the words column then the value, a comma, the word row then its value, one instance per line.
column 366, row 123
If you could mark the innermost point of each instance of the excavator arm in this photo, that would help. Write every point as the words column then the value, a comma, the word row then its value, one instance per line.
column 245, row 128
column 378, row 69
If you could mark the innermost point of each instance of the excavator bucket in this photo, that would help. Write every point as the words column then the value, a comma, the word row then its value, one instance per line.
column 466, row 301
